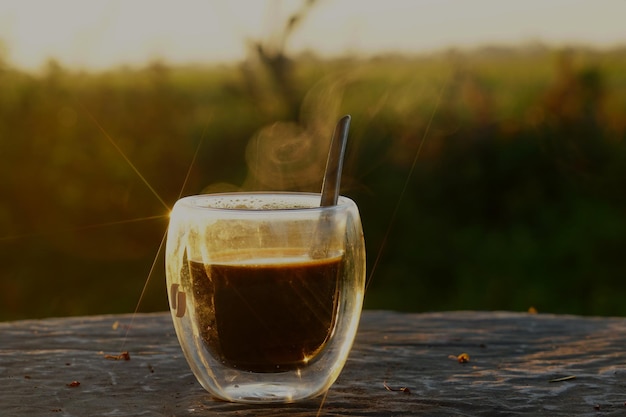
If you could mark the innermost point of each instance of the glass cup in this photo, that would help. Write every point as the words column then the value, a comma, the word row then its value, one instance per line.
column 265, row 291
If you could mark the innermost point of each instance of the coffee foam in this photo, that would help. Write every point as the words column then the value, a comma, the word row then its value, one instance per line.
column 250, row 202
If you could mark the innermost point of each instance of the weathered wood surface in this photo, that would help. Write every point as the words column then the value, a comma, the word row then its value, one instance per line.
column 520, row 364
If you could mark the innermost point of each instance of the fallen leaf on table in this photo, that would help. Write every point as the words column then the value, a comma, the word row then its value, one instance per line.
column 462, row 358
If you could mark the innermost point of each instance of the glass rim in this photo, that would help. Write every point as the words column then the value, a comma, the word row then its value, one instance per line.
column 191, row 201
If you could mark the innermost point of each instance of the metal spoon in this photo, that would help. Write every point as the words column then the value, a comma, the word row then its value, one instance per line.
column 330, row 187
column 334, row 163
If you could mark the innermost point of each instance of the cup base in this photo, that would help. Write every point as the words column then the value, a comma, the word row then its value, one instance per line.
column 264, row 393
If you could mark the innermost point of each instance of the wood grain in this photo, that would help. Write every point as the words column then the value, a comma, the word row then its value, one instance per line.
column 401, row 365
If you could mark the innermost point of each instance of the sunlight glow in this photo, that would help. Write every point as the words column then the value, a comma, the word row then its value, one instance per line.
column 97, row 35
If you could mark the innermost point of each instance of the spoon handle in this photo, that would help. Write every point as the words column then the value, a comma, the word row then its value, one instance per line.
column 334, row 164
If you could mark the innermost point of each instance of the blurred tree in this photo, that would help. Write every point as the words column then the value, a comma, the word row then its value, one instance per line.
column 269, row 57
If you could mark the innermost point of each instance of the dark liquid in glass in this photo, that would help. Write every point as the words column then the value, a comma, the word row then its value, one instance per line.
column 266, row 314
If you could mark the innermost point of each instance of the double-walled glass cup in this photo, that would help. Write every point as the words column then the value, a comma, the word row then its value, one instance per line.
column 265, row 291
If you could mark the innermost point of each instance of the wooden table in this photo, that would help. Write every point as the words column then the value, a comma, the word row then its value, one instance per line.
column 401, row 364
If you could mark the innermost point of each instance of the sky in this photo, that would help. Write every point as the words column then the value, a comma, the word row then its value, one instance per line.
column 108, row 33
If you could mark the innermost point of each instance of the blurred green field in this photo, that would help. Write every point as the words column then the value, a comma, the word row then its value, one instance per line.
column 488, row 180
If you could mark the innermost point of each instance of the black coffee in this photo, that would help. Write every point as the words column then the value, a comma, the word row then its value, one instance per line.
column 260, row 315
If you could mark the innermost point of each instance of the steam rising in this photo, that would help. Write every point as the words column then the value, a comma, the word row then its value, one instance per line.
column 285, row 156
column 291, row 156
